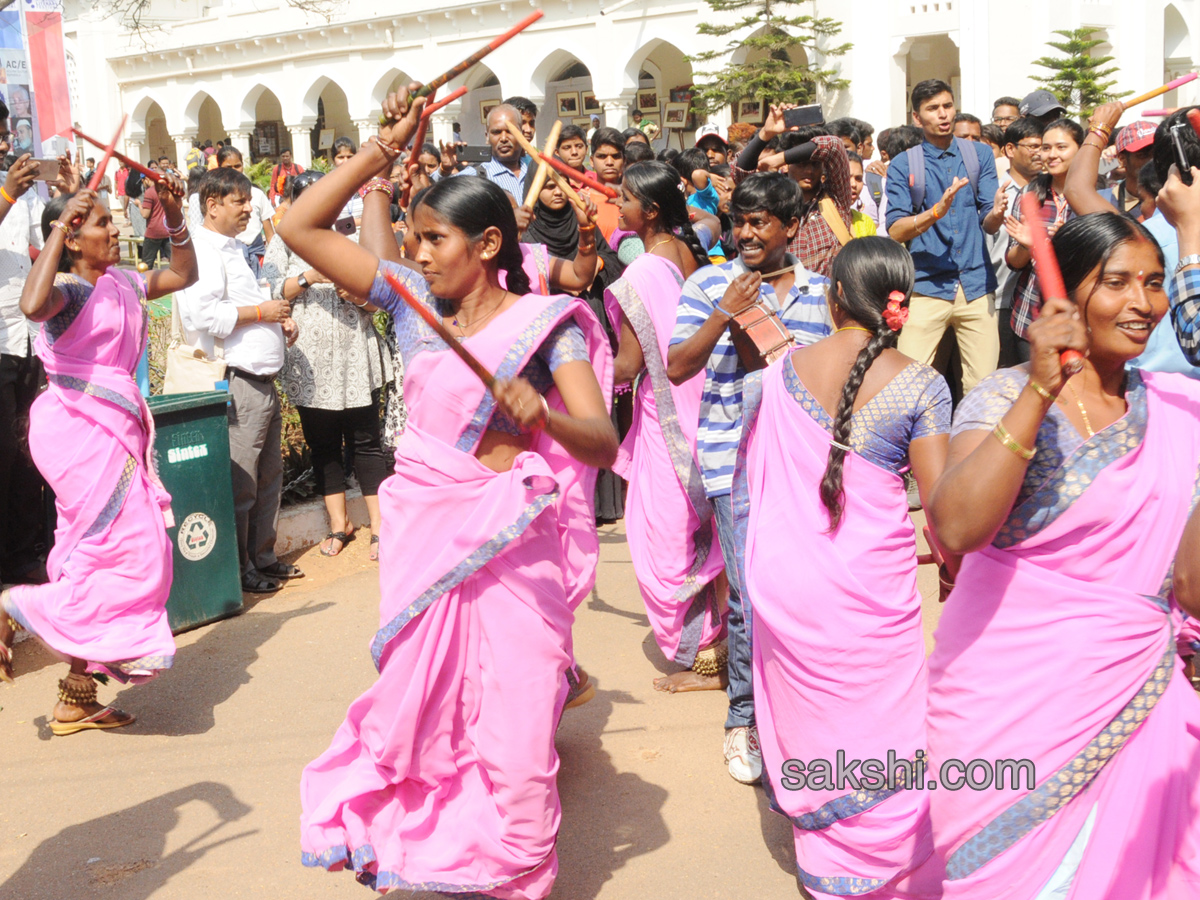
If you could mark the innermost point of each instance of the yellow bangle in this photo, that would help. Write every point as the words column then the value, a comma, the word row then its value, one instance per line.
column 1002, row 435
column 11, row 200
column 1041, row 391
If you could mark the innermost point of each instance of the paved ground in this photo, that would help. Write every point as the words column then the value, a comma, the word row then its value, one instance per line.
column 200, row 797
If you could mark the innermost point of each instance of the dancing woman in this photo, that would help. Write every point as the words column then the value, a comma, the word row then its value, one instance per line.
column 92, row 437
column 839, row 654
column 668, row 519
column 442, row 777
column 1069, row 497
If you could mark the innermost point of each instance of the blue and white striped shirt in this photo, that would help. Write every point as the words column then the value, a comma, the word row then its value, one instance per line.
column 804, row 313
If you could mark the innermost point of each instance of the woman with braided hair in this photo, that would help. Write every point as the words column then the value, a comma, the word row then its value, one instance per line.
column 668, row 519
column 443, row 775
column 831, row 574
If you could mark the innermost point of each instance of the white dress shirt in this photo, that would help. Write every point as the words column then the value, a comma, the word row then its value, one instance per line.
column 21, row 229
column 209, row 308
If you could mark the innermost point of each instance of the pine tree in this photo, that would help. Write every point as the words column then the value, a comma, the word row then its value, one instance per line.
column 774, row 77
column 1078, row 79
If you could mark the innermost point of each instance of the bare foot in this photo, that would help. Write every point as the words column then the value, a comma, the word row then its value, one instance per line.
column 6, row 642
column 687, row 680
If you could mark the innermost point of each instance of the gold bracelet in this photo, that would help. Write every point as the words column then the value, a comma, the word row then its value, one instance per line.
column 1041, row 391
column 388, row 150
column 1010, row 442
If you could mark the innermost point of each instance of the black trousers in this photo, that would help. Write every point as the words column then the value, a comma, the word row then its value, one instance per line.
column 152, row 248
column 332, row 434
column 21, row 485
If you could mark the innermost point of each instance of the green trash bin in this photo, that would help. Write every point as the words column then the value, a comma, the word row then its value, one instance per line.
column 192, row 444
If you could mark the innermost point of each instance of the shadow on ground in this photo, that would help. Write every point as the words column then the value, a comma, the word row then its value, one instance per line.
column 609, row 817
column 777, row 833
column 184, row 700
column 124, row 854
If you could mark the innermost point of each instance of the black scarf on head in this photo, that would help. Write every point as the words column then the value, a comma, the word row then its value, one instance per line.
column 558, row 229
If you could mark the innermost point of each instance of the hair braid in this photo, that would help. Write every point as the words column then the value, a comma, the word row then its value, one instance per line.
column 687, row 234
column 833, row 494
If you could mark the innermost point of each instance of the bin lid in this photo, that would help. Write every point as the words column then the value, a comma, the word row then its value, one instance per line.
column 169, row 403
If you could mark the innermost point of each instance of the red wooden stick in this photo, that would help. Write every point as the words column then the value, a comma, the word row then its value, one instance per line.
column 418, row 140
column 156, row 177
column 561, row 167
column 450, row 98
column 475, row 57
column 1049, row 275
column 98, row 175
column 1158, row 91
column 435, row 323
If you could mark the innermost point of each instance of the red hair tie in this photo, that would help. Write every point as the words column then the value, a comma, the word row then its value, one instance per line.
column 896, row 313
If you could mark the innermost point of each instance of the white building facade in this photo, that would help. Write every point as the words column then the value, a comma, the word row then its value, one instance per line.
column 268, row 76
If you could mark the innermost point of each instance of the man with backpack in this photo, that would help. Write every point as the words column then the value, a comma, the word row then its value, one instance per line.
column 942, row 198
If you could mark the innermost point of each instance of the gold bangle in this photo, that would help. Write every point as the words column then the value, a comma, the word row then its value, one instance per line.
column 1041, row 391
column 12, row 201
column 1002, row 435
column 388, row 150
column 61, row 226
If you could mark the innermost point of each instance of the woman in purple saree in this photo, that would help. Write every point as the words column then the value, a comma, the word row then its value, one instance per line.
column 442, row 777
column 829, row 565
column 1057, row 646
column 92, row 437
column 668, row 519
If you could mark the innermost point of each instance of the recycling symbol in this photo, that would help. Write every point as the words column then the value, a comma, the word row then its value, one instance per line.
column 197, row 537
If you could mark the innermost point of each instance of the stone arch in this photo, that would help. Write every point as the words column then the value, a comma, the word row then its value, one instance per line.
column 391, row 81
column 662, row 59
column 1177, row 51
column 141, row 111
column 249, row 106
column 191, row 110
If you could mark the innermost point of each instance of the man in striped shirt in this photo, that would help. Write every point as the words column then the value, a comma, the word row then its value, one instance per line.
column 765, row 210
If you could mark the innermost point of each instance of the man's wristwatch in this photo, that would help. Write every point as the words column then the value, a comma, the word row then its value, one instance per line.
column 1191, row 260
column 302, row 281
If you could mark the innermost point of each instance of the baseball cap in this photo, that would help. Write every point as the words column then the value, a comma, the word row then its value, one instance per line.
column 1136, row 136
column 1039, row 103
column 710, row 131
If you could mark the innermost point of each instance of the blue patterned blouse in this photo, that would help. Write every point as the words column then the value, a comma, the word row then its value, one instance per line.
column 565, row 343
column 914, row 404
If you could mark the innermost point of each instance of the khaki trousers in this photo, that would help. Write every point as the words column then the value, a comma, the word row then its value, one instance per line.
column 974, row 325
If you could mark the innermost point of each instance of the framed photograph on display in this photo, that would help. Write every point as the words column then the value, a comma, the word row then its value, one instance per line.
column 590, row 103
column 584, row 122
column 750, row 111
column 648, row 101
column 676, row 115
column 568, row 104
column 326, row 139
column 485, row 109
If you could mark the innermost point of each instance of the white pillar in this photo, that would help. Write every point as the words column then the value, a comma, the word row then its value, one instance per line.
column 133, row 149
column 183, row 144
column 241, row 142
column 367, row 128
column 442, row 126
column 616, row 113
column 301, row 144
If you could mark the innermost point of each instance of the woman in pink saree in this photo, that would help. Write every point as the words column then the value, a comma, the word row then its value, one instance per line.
column 829, row 564
column 668, row 519
column 1069, row 496
column 92, row 437
column 442, row 777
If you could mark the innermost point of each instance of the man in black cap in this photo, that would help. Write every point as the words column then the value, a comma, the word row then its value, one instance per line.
column 1043, row 106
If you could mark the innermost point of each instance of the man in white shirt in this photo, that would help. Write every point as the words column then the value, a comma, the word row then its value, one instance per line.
column 225, row 304
column 260, row 224
column 20, row 371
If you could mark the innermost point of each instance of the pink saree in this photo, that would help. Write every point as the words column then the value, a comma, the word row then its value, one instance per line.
column 442, row 777
column 668, row 519
column 92, row 436
column 1057, row 647
column 838, row 651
